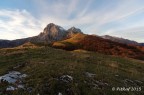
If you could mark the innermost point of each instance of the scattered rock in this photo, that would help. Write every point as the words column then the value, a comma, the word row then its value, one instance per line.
column 20, row 86
column 29, row 89
column 90, row 75
column 137, row 81
column 66, row 78
column 19, row 66
column 14, row 80
column 11, row 88
column 116, row 75
column 59, row 93
column 69, row 91
column 132, row 82
column 128, row 80
column 97, row 84
column 12, row 77
column 85, row 81
column 23, row 76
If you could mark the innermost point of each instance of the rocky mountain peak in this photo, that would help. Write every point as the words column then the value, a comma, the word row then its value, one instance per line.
column 52, row 28
column 72, row 31
column 52, row 32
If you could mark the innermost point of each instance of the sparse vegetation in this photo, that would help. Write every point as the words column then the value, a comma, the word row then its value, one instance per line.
column 45, row 66
column 97, row 44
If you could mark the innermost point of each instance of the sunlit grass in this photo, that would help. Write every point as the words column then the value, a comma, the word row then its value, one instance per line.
column 44, row 65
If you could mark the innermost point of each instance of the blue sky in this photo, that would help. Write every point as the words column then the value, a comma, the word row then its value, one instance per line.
column 26, row 18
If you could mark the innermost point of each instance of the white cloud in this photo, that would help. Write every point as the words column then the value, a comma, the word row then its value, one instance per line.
column 79, row 12
column 90, row 15
column 15, row 24
column 122, row 11
column 135, row 33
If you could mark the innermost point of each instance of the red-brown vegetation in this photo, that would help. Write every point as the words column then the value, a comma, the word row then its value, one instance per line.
column 98, row 44
column 94, row 43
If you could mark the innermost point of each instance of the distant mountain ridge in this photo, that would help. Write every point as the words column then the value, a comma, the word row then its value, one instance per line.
column 122, row 40
column 98, row 44
column 141, row 44
column 13, row 43
column 51, row 33
column 74, row 38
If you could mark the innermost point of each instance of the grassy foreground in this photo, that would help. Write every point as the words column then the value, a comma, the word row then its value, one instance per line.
column 92, row 73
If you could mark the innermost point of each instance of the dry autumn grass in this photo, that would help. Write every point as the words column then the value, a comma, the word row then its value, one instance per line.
column 44, row 66
column 97, row 44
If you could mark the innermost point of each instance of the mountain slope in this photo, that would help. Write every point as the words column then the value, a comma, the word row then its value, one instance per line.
column 141, row 44
column 33, row 68
column 69, row 44
column 98, row 44
column 51, row 33
column 13, row 43
column 120, row 40
column 72, row 31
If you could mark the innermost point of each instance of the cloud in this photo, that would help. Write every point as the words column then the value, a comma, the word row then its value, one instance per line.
column 64, row 12
column 15, row 24
column 135, row 33
column 87, row 12
column 92, row 16
column 122, row 11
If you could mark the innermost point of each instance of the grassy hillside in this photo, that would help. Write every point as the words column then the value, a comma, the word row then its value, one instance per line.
column 69, row 44
column 50, row 70
column 97, row 44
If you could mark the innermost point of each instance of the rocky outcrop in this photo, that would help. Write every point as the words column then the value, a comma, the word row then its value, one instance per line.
column 72, row 31
column 51, row 33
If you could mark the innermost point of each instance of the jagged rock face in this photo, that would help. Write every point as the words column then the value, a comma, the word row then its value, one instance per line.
column 52, row 33
column 72, row 31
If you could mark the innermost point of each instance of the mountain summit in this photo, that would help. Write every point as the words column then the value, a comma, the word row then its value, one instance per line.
column 52, row 33
column 72, row 31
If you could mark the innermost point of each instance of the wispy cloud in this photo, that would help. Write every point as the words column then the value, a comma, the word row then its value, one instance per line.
column 16, row 24
column 135, row 33
column 77, row 12
column 92, row 16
